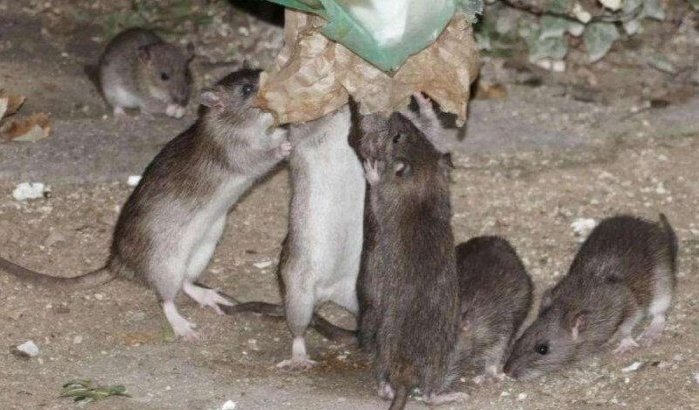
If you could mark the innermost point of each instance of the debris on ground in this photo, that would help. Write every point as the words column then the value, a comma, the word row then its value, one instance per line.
column 26, row 349
column 84, row 391
column 30, row 129
column 632, row 367
column 133, row 180
column 29, row 190
column 229, row 405
column 583, row 226
column 263, row 264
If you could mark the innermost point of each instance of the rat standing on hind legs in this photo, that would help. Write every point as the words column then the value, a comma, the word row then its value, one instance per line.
column 410, row 304
column 320, row 255
column 169, row 227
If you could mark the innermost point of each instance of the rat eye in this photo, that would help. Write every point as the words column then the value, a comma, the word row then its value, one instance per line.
column 164, row 76
column 396, row 138
column 542, row 348
column 247, row 90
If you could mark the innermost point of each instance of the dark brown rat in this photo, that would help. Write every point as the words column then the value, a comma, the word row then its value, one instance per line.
column 625, row 269
column 170, row 225
column 140, row 70
column 496, row 295
column 412, row 318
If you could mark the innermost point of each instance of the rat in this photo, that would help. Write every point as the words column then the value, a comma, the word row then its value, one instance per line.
column 496, row 295
column 321, row 253
column 140, row 70
column 168, row 228
column 414, row 302
column 625, row 269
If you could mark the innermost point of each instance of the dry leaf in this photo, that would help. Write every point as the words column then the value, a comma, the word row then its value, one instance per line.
column 10, row 103
column 314, row 76
column 33, row 128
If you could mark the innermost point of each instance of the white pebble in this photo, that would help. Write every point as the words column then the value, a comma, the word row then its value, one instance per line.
column 522, row 396
column 99, row 296
column 133, row 180
column 29, row 190
column 583, row 226
column 696, row 377
column 77, row 340
column 229, row 405
column 632, row 367
column 263, row 264
column 29, row 348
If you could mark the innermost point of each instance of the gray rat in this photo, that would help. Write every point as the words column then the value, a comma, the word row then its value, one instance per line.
column 320, row 256
column 496, row 295
column 170, row 225
column 626, row 268
column 413, row 305
column 139, row 70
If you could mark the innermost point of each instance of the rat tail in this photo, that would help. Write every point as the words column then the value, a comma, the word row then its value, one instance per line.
column 401, row 398
column 322, row 326
column 88, row 280
column 672, row 240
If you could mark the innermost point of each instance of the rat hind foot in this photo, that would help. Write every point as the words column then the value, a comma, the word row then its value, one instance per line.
column 653, row 331
column 181, row 326
column 626, row 345
column 438, row 399
column 385, row 391
column 206, row 297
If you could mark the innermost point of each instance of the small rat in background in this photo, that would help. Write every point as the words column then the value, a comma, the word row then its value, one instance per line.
column 139, row 70
column 320, row 256
column 496, row 295
column 624, row 269
column 170, row 225
column 411, row 265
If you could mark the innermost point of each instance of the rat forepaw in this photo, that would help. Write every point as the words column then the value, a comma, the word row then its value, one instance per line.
column 371, row 171
column 283, row 150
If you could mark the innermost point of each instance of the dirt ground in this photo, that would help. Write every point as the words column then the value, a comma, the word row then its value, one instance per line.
column 525, row 182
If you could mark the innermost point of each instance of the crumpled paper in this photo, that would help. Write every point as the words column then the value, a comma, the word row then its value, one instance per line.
column 314, row 76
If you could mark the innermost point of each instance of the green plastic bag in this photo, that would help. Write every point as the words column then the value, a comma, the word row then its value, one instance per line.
column 384, row 32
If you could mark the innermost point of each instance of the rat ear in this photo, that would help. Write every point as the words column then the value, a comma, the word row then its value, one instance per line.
column 211, row 98
column 577, row 321
column 144, row 54
column 402, row 168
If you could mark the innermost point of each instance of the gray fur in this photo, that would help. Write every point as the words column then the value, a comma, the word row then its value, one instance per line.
column 410, row 303
column 172, row 221
column 625, row 269
column 496, row 295
column 139, row 70
column 321, row 253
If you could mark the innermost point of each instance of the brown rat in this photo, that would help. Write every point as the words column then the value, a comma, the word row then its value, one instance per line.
column 626, row 268
column 413, row 313
column 496, row 295
column 139, row 70
column 170, row 225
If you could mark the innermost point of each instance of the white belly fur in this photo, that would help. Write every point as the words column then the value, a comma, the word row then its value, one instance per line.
column 327, row 217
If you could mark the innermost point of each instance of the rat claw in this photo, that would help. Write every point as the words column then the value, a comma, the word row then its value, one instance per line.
column 626, row 345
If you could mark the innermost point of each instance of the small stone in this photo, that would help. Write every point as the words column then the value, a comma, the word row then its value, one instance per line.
column 28, row 349
column 632, row 367
column 583, row 226
column 133, row 180
column 99, row 296
column 696, row 377
column 229, row 405
column 504, row 394
column 263, row 264
column 77, row 340
column 29, row 190
column 53, row 238
column 522, row 396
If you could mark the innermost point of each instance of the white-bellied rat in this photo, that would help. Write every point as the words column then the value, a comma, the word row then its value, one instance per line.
column 624, row 269
column 139, row 70
column 321, row 253
column 496, row 295
column 170, row 225
column 410, row 304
